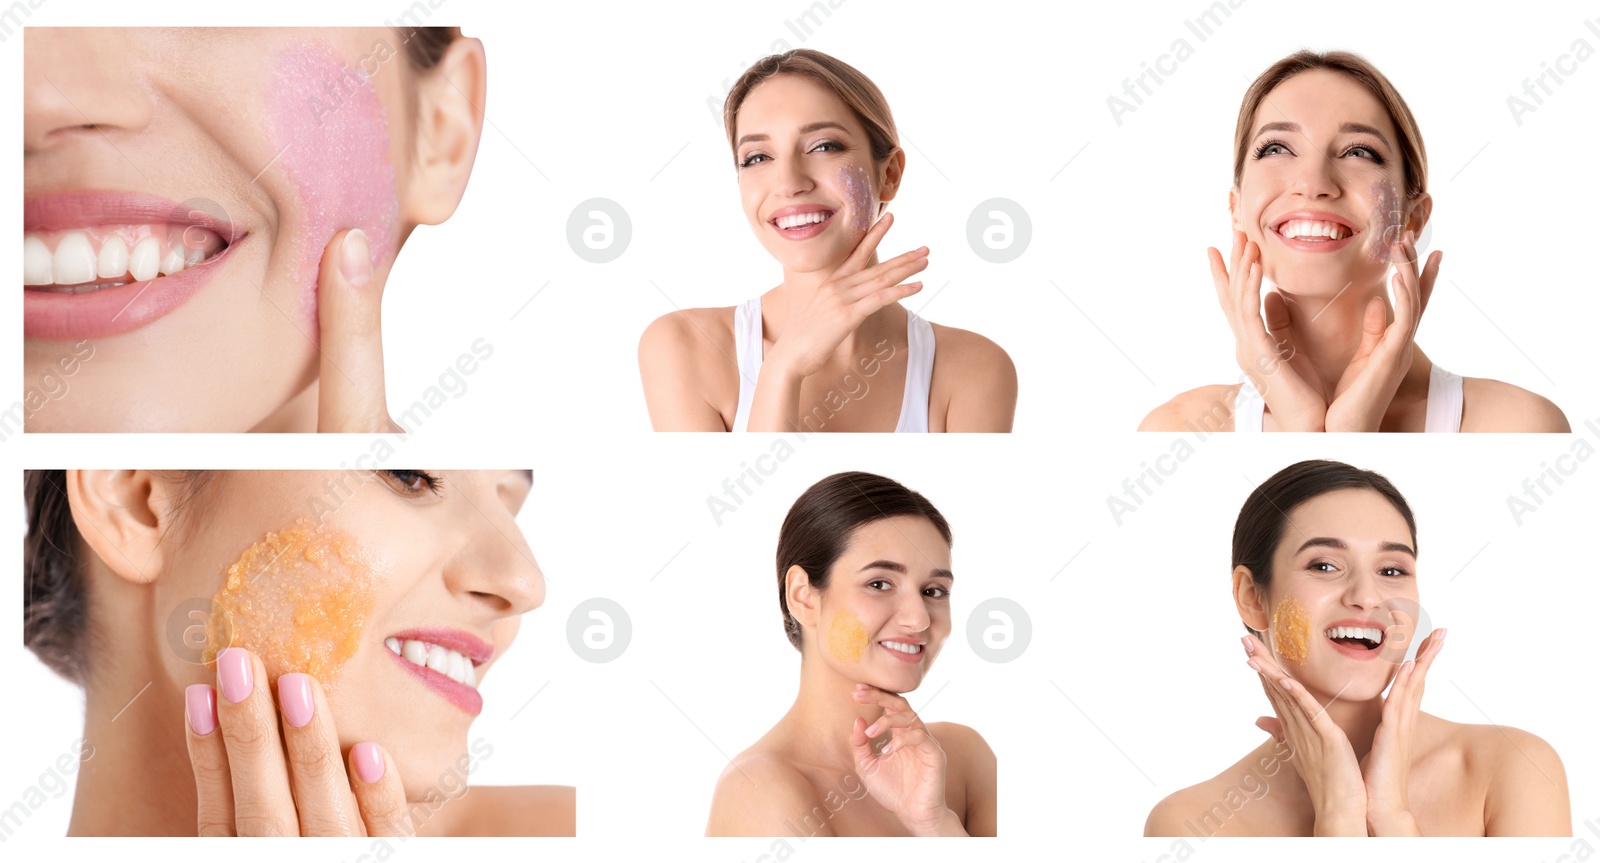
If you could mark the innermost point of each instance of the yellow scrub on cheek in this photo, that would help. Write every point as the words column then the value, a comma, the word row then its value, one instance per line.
column 847, row 637
column 299, row 599
column 1291, row 630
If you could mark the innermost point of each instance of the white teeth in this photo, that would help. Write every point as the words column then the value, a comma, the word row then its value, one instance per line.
column 37, row 262
column 113, row 259
column 902, row 646
column 144, row 261
column 74, row 260
column 172, row 263
column 441, row 659
column 1304, row 228
column 1369, row 633
column 787, row 222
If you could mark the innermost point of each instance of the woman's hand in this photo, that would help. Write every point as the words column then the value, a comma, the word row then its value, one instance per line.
column 906, row 776
column 1387, row 766
column 1264, row 346
column 1321, row 753
column 252, row 782
column 844, row 301
column 350, row 397
column 1381, row 361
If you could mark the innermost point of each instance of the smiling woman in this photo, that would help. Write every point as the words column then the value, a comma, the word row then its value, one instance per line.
column 325, row 626
column 1330, row 190
column 1325, row 579
column 216, row 212
column 829, row 348
column 864, row 580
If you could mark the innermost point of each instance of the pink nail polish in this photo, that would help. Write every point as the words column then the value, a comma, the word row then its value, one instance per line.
column 369, row 761
column 200, row 703
column 235, row 676
column 294, row 695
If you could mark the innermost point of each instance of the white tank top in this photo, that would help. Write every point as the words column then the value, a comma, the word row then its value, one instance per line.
column 1444, row 404
column 747, row 346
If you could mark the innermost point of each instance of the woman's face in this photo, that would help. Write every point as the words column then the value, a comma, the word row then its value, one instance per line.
column 1322, row 187
column 806, row 176
column 318, row 572
column 1342, row 606
column 180, row 187
column 886, row 611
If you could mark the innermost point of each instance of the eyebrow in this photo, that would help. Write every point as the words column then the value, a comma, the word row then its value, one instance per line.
column 894, row 566
column 1331, row 542
column 804, row 130
column 1346, row 128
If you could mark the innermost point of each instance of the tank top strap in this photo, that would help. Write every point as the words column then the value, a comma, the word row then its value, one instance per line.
column 747, row 350
column 919, row 375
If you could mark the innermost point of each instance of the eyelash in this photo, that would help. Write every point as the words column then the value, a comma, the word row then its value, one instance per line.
column 749, row 160
column 1261, row 151
column 407, row 478
column 943, row 594
column 1399, row 572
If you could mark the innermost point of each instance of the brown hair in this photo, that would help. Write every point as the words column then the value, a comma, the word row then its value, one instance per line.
column 823, row 520
column 843, row 80
column 1413, row 155
column 425, row 46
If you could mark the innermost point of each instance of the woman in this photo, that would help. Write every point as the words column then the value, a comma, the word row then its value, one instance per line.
column 210, row 216
column 355, row 613
column 1330, row 188
column 829, row 348
column 864, row 586
column 1325, row 580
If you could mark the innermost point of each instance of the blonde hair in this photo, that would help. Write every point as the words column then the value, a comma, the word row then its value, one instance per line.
column 838, row 77
column 1413, row 155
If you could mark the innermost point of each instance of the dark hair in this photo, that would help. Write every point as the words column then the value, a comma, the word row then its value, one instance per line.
column 55, row 599
column 1265, row 513
column 822, row 521
column 425, row 46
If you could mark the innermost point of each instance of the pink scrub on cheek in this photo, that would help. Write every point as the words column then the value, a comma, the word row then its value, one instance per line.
column 858, row 197
column 1386, row 218
column 329, row 128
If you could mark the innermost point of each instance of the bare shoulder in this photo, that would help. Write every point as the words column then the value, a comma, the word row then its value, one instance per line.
column 518, row 810
column 1523, row 780
column 974, row 380
column 1172, row 815
column 963, row 741
column 685, row 332
column 759, row 794
column 1495, row 406
column 1208, row 408
column 1229, row 803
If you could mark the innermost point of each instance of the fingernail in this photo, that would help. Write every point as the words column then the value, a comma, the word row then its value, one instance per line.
column 355, row 258
column 872, row 730
column 200, row 703
column 1249, row 649
column 235, row 675
column 1255, row 665
column 294, row 693
column 369, row 761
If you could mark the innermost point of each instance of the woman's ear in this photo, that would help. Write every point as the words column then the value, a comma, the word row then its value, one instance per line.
column 449, row 125
column 1233, row 207
column 1248, row 598
column 803, row 598
column 894, row 170
column 1421, row 209
column 121, row 515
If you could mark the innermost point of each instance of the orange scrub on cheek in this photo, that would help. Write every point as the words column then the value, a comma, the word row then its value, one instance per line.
column 1291, row 630
column 847, row 637
column 299, row 599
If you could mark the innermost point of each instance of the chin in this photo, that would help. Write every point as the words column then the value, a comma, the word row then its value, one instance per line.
column 1310, row 280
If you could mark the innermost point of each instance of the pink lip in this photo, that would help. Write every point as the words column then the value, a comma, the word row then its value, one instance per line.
column 109, row 311
column 468, row 645
column 912, row 658
column 1314, row 245
column 806, row 232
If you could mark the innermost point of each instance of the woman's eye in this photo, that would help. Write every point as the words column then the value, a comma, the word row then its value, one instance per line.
column 1393, row 572
column 937, row 592
column 827, row 145
column 753, row 159
column 1365, row 152
column 1322, row 566
column 879, row 584
column 1271, row 148
column 414, row 482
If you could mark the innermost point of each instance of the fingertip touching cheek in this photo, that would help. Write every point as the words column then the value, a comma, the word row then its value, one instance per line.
column 331, row 134
column 858, row 197
column 299, row 598
column 1291, row 630
column 847, row 636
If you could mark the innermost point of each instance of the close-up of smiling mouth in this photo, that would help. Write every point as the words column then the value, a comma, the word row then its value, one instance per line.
column 1358, row 639
column 801, row 222
column 446, row 661
column 1314, row 231
column 904, row 650
column 101, row 263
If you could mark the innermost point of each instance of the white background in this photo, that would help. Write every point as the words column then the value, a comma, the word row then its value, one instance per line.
column 1133, row 686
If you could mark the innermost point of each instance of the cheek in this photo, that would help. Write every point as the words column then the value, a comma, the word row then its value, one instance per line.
column 332, row 138
column 1291, row 630
column 847, row 636
column 299, row 598
column 1386, row 220
column 857, row 193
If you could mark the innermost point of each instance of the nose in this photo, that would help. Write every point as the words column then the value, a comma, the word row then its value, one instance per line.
column 1361, row 591
column 80, row 85
column 495, row 566
column 1316, row 178
column 794, row 178
column 911, row 613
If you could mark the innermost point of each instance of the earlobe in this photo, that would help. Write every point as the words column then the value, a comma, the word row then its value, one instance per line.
column 801, row 595
column 449, row 125
column 118, row 515
column 1248, row 599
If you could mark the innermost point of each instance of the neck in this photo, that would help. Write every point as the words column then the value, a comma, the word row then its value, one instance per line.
column 135, row 778
column 824, row 712
column 1327, row 332
column 1359, row 721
